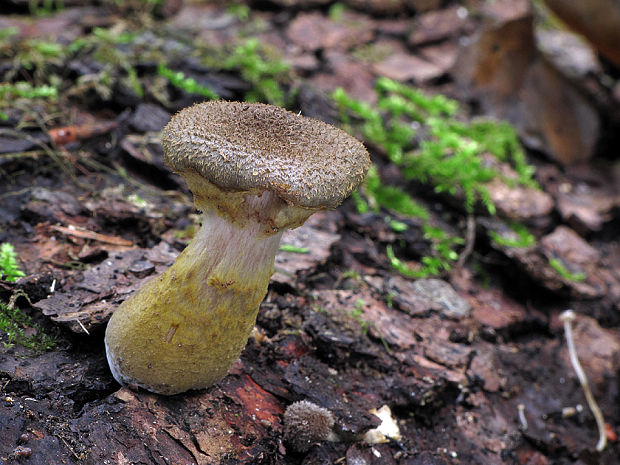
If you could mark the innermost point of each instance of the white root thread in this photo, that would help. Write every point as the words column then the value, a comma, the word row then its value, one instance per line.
column 567, row 317
column 522, row 418
column 82, row 326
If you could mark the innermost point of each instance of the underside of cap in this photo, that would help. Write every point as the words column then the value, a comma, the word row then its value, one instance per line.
column 254, row 147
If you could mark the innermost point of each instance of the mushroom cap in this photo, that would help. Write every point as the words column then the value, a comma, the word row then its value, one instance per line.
column 254, row 147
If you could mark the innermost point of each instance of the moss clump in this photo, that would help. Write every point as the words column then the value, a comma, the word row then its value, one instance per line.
column 18, row 328
column 9, row 268
column 518, row 236
column 189, row 85
column 425, row 137
column 564, row 272
column 265, row 73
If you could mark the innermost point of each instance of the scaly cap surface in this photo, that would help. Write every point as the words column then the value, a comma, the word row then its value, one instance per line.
column 254, row 147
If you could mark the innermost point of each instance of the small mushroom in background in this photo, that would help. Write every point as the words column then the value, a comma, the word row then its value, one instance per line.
column 255, row 170
column 305, row 424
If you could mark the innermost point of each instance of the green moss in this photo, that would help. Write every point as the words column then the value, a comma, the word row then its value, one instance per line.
column 351, row 274
column 240, row 11
column 137, row 200
column 397, row 226
column 9, row 268
column 358, row 315
column 424, row 136
column 414, row 102
column 253, row 62
column 401, row 266
column 559, row 267
column 293, row 249
column 15, row 326
column 8, row 32
column 47, row 49
column 110, row 48
column 376, row 195
column 23, row 89
column 112, row 36
column 443, row 255
column 360, row 203
column 373, row 52
column 189, row 85
column 442, row 243
column 186, row 235
column 518, row 237
column 39, row 58
column 392, row 198
column 500, row 139
column 45, row 7
column 336, row 11
column 391, row 135
column 265, row 73
column 451, row 164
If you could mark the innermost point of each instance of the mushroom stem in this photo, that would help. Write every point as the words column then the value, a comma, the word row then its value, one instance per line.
column 255, row 170
column 184, row 329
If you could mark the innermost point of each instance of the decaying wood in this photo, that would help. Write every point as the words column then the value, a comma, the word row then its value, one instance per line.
column 472, row 364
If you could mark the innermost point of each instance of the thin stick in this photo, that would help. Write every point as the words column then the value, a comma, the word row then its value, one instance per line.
column 86, row 234
column 470, row 239
column 82, row 326
column 522, row 418
column 568, row 317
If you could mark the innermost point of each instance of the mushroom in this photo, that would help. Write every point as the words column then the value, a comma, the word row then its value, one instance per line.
column 305, row 424
column 255, row 170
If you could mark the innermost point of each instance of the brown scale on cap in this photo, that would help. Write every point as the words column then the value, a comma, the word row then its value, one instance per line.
column 255, row 170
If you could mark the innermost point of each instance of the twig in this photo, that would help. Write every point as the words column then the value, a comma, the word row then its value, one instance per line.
column 568, row 317
column 19, row 293
column 119, row 171
column 470, row 239
column 82, row 326
column 49, row 151
column 12, row 193
column 86, row 234
column 81, row 456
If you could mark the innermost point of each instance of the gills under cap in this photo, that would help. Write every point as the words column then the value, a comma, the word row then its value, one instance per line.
column 254, row 147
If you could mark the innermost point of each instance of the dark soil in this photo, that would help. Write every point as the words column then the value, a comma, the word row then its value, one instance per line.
column 473, row 363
